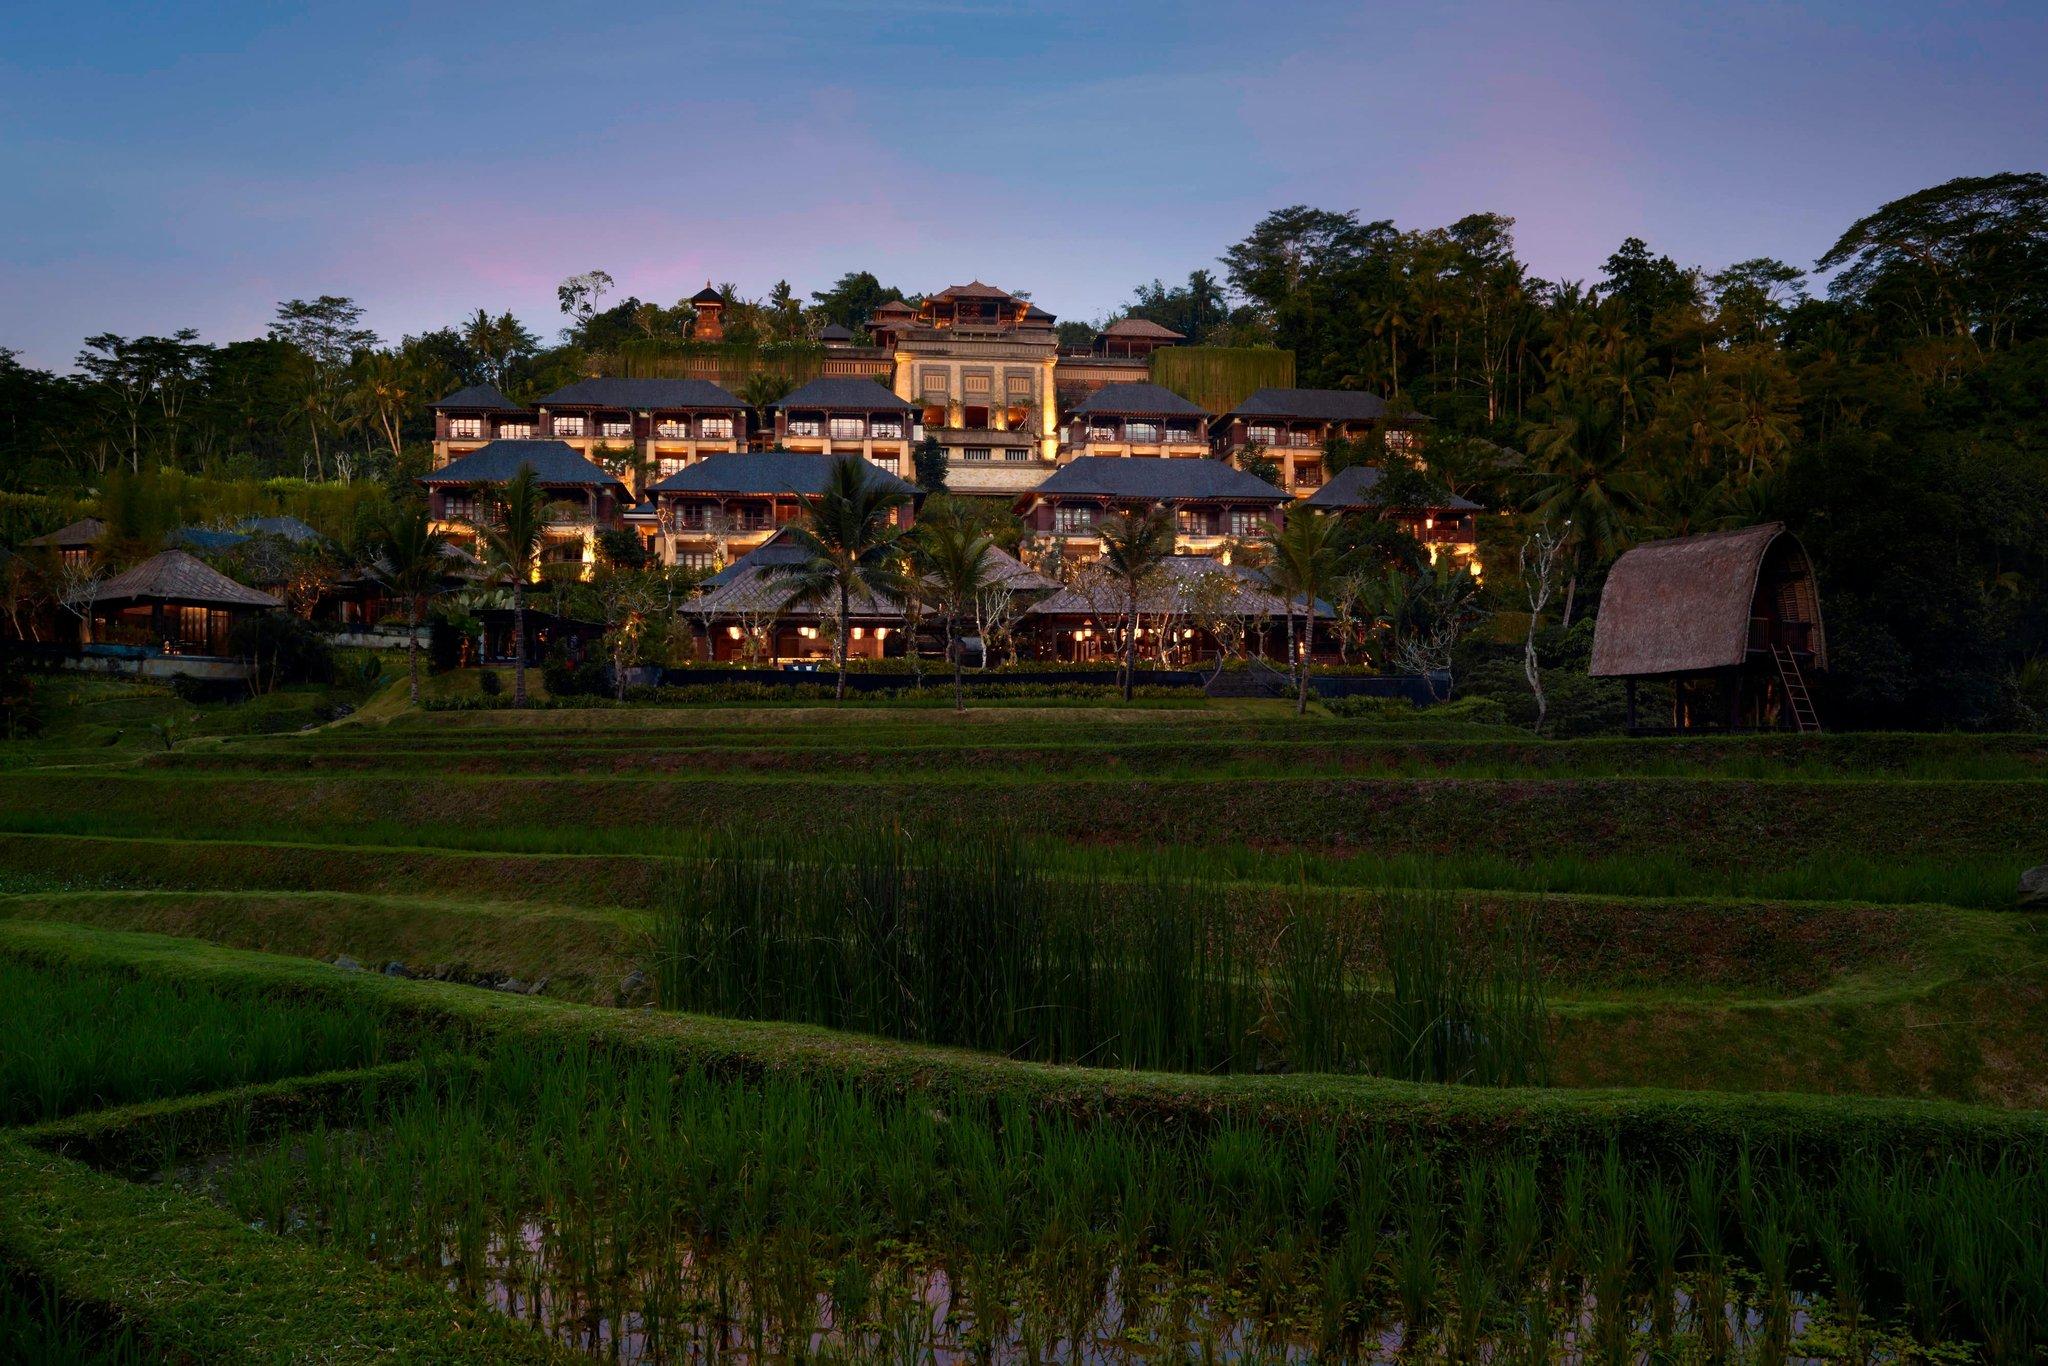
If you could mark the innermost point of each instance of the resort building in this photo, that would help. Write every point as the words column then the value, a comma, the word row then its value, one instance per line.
column 711, row 513
column 175, row 613
column 585, row 498
column 1212, row 504
column 977, row 364
column 1447, row 527
column 73, row 545
column 1137, row 420
column 1291, row 425
column 1728, row 622
column 1175, row 618
column 656, row 425
column 470, row 418
column 836, row 416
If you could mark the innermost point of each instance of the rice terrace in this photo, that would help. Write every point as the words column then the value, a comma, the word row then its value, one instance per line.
column 885, row 1031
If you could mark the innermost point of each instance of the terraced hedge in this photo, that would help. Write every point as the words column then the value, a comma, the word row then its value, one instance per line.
column 1717, row 823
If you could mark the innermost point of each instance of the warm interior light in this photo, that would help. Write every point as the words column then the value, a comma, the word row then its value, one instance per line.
column 860, row 633
column 733, row 631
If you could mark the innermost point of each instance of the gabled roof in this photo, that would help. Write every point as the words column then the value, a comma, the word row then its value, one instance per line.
column 499, row 462
column 1175, row 590
column 1683, row 605
column 1118, row 476
column 833, row 332
column 1141, row 327
column 973, row 289
column 843, row 391
column 893, row 307
column 175, row 576
column 707, row 295
column 642, row 393
column 1352, row 488
column 769, row 472
column 206, row 538
column 1315, row 405
column 1035, row 314
column 1138, row 400
column 483, row 398
column 84, row 531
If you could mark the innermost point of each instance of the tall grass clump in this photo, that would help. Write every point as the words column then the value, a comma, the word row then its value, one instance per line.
column 969, row 938
column 74, row 1038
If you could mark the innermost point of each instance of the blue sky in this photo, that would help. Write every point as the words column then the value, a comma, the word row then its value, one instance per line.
column 192, row 164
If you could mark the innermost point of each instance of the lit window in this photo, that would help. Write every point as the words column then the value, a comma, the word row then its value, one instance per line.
column 1180, row 435
column 1142, row 433
column 461, row 428
column 807, row 426
column 1247, row 521
column 715, row 428
column 888, row 428
column 848, row 428
column 1261, row 434
column 568, row 426
column 1196, row 522
column 616, row 429
column 1100, row 433
column 515, row 431
column 668, row 429
column 1073, row 519
column 458, row 507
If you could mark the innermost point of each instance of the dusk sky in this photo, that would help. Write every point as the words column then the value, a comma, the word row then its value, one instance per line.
column 192, row 164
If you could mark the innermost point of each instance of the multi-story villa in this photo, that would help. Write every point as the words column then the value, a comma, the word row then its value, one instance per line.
column 1137, row 419
column 1212, row 504
column 662, row 425
column 470, row 418
column 584, row 497
column 839, row 416
column 713, row 512
column 1291, row 425
column 977, row 364
column 1447, row 528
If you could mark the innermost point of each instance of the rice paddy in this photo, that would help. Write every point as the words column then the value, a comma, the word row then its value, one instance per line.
column 1049, row 1033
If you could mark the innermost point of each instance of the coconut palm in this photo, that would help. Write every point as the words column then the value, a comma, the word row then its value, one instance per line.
column 850, row 544
column 511, row 543
column 1135, row 547
column 954, row 565
column 409, row 559
column 1307, row 555
column 1583, row 479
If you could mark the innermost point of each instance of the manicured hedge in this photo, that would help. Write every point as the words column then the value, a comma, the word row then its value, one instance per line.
column 1453, row 1117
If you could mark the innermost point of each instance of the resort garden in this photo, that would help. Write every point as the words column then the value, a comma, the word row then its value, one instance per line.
column 1054, row 1029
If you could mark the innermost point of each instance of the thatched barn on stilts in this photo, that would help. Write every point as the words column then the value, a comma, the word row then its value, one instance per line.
column 1729, row 623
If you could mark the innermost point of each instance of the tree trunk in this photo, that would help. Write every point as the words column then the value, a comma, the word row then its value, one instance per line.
column 953, row 649
column 1131, row 644
column 1308, row 640
column 839, row 640
column 518, row 643
column 1532, row 669
column 412, row 654
column 1571, row 593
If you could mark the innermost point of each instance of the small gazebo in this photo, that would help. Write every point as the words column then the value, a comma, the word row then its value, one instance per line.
column 174, row 604
column 1730, row 621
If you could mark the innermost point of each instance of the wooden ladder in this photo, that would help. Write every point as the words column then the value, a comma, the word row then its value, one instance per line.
column 1795, row 689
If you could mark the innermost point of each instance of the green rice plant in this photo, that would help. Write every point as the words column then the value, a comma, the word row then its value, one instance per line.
column 39, row 1328
column 1456, row 1010
column 75, row 1039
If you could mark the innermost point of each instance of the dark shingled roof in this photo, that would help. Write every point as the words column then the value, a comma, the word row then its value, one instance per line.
column 175, row 576
column 205, row 538
column 1118, row 476
column 1141, row 327
column 894, row 306
column 973, row 289
column 1035, row 314
column 289, row 528
column 1353, row 488
column 799, row 472
column 480, row 398
column 84, row 531
column 1174, row 590
column 1316, row 405
column 1683, row 606
column 499, row 462
column 833, row 332
column 642, row 393
column 707, row 295
column 843, row 391
column 1139, row 400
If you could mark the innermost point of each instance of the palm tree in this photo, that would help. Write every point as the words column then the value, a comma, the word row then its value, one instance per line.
column 850, row 544
column 1583, row 479
column 511, row 544
column 1135, row 546
column 1307, row 555
column 953, row 566
column 410, row 556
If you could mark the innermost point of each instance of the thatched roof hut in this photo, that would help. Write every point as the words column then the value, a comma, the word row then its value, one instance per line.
column 1737, row 608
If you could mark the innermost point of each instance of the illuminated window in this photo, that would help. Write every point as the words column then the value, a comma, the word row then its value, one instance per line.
column 1308, row 473
column 1180, row 435
column 715, row 428
column 1073, row 519
column 616, row 429
column 1101, row 431
column 458, row 507
column 515, row 431
column 461, row 428
column 1196, row 522
column 1247, row 521
column 568, row 426
column 848, row 428
column 888, row 428
column 806, row 426
column 1142, row 433
column 669, row 429
column 1261, row 434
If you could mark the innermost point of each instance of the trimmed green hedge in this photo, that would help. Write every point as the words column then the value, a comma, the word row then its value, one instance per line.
column 1444, row 1116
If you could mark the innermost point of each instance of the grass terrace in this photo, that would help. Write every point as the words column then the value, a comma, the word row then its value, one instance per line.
column 1049, row 1031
